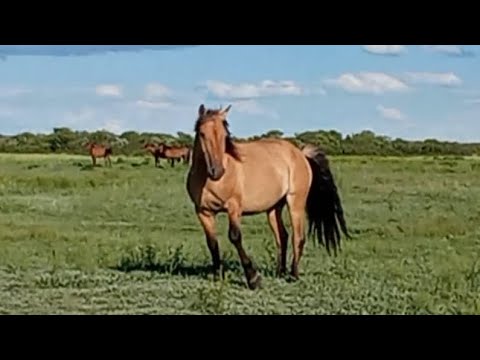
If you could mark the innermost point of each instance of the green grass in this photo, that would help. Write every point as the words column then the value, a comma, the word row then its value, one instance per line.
column 125, row 240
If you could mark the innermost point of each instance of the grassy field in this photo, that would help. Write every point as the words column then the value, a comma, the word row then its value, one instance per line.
column 125, row 240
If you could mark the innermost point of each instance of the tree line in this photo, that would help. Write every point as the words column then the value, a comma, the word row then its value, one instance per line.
column 67, row 141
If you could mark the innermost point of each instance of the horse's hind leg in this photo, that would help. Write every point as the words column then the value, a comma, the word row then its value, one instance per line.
column 207, row 220
column 281, row 237
column 235, row 237
column 296, row 205
column 94, row 161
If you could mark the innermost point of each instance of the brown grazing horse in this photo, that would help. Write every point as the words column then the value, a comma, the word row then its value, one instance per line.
column 155, row 150
column 243, row 179
column 172, row 153
column 100, row 151
column 176, row 153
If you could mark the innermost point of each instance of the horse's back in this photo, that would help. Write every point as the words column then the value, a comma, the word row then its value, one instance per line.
column 271, row 154
column 100, row 151
column 270, row 169
column 176, row 151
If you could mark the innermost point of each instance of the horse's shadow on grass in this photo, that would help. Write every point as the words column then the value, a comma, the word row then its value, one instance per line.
column 172, row 267
column 233, row 272
column 147, row 259
column 87, row 167
column 197, row 270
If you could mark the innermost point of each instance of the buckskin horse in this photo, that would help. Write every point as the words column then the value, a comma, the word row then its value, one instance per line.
column 244, row 179
column 100, row 151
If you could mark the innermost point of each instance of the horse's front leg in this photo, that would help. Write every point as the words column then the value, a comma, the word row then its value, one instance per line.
column 207, row 220
column 235, row 236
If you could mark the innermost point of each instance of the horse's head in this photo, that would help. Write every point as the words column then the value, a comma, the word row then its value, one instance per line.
column 214, row 138
column 149, row 146
column 161, row 147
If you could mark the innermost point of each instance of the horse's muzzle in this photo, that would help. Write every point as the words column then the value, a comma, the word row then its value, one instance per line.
column 215, row 172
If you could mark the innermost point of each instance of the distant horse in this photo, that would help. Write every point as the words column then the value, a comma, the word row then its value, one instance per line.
column 100, row 151
column 172, row 153
column 244, row 179
column 175, row 153
column 155, row 150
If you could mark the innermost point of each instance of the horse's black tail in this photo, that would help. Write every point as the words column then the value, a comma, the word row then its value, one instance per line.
column 324, row 207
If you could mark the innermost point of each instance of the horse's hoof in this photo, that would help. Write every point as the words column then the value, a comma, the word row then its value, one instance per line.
column 255, row 282
column 218, row 277
column 292, row 278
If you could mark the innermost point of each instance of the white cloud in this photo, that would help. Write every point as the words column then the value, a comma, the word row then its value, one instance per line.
column 155, row 90
column 157, row 96
column 368, row 82
column 466, row 92
column 13, row 91
column 248, row 90
column 452, row 50
column 317, row 91
column 79, row 117
column 472, row 101
column 89, row 119
column 385, row 49
column 153, row 104
column 114, row 126
column 390, row 113
column 442, row 79
column 252, row 107
column 109, row 90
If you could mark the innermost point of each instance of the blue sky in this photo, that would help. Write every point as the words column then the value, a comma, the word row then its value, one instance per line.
column 409, row 91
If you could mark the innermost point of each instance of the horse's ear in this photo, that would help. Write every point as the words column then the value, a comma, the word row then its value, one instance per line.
column 201, row 110
column 225, row 111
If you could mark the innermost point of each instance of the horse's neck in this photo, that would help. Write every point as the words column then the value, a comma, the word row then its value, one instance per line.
column 199, row 165
column 198, row 161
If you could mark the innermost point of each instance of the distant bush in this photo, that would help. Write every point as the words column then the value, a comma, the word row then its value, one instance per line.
column 67, row 141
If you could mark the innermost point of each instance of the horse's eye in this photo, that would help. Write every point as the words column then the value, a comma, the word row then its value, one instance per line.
column 202, row 134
